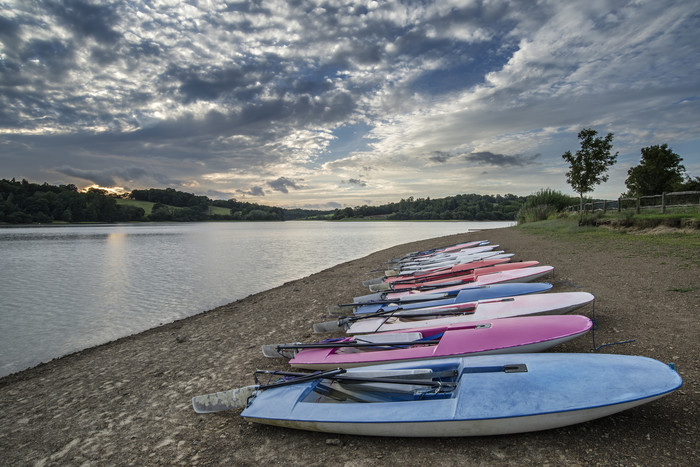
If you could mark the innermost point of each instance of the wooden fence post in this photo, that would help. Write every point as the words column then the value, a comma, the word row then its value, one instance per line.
column 639, row 205
column 605, row 205
column 663, row 203
column 619, row 204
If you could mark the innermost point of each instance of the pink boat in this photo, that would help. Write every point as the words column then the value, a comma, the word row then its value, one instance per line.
column 498, row 336
column 457, row 269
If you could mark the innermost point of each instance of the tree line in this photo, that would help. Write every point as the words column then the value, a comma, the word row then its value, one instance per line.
column 22, row 202
column 26, row 203
column 459, row 207
column 196, row 207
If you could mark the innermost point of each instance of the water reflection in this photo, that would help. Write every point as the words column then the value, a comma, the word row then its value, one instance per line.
column 67, row 288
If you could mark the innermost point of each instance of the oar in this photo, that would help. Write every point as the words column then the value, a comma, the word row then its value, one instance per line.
column 454, row 309
column 275, row 350
column 458, row 270
column 426, row 274
column 384, row 287
column 338, row 309
column 433, row 250
column 440, row 257
column 398, row 271
column 344, row 322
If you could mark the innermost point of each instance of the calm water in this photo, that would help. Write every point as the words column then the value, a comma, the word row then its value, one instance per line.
column 64, row 289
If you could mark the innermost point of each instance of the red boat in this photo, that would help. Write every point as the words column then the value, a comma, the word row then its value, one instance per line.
column 455, row 278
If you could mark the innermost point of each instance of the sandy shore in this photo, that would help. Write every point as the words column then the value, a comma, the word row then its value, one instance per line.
column 128, row 402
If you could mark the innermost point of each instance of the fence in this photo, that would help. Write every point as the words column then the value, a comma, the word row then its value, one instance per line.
column 678, row 199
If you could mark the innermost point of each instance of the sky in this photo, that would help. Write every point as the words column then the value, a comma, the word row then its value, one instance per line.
column 328, row 104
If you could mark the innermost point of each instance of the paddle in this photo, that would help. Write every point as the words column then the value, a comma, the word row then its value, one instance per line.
column 477, row 267
column 433, row 250
column 464, row 295
column 336, row 309
column 407, row 285
column 440, row 255
column 344, row 322
column 437, row 258
column 398, row 271
column 276, row 350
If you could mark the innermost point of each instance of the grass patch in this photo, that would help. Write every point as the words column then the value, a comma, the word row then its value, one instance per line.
column 679, row 219
column 219, row 211
column 683, row 247
column 147, row 206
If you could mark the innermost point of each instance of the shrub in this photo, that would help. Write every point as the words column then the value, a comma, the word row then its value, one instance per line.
column 543, row 205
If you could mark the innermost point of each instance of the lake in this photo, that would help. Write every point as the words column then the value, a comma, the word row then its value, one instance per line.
column 67, row 288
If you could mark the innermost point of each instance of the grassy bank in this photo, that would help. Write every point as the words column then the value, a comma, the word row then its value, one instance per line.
column 682, row 245
column 147, row 206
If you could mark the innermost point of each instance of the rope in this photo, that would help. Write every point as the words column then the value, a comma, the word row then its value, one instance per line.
column 596, row 326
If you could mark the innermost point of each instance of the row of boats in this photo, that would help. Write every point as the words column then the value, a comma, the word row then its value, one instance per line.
column 448, row 345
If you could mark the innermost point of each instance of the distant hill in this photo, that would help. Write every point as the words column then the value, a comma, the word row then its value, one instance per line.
column 24, row 203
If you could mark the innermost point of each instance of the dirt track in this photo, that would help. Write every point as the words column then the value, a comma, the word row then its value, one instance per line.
column 128, row 402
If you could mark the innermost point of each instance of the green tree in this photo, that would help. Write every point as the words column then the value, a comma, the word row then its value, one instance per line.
column 690, row 184
column 659, row 171
column 589, row 165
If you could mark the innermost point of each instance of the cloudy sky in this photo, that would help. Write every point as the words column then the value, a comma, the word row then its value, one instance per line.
column 322, row 104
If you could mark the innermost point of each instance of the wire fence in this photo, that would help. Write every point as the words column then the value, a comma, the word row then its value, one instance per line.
column 662, row 202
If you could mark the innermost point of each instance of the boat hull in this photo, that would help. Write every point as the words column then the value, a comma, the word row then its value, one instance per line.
column 530, row 274
column 508, row 307
column 499, row 336
column 554, row 390
column 469, row 294
column 460, row 428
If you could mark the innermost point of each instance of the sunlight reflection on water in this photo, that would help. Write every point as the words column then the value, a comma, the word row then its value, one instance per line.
column 67, row 288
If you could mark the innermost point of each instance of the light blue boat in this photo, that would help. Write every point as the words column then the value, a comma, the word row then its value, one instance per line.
column 468, row 294
column 473, row 396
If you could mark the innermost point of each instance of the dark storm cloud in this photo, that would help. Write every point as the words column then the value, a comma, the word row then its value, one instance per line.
column 207, row 83
column 356, row 181
column 53, row 57
column 282, row 183
column 254, row 191
column 500, row 160
column 8, row 31
column 114, row 175
column 485, row 158
column 440, row 156
column 87, row 19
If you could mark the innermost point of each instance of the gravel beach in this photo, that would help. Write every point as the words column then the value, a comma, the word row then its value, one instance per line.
column 128, row 402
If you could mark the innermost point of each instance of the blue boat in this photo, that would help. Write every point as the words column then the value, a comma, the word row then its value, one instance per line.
column 468, row 294
column 472, row 396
